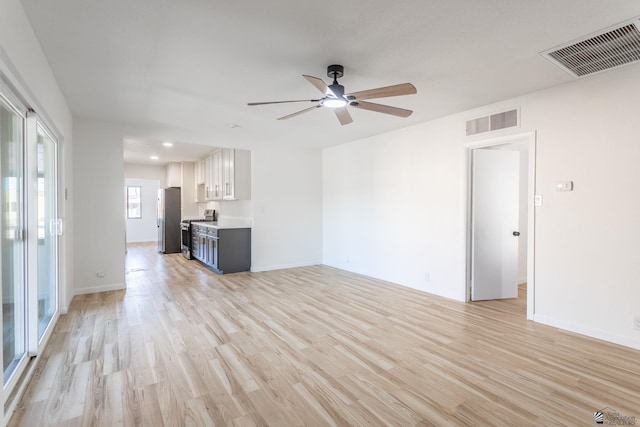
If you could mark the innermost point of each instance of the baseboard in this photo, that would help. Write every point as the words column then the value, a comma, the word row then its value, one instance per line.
column 589, row 332
column 284, row 266
column 96, row 289
column 522, row 280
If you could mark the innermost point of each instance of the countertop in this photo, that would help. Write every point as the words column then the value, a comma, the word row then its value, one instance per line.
column 223, row 224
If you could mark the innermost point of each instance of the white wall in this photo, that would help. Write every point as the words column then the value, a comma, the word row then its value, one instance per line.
column 287, row 208
column 393, row 208
column 151, row 172
column 24, row 64
column 144, row 229
column 99, row 206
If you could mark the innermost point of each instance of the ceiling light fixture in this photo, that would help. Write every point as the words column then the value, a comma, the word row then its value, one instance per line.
column 334, row 103
column 168, row 144
column 154, row 157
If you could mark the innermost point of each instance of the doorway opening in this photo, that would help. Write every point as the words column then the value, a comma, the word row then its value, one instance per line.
column 500, row 226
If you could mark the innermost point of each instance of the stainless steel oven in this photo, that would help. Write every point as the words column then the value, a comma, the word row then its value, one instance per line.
column 185, row 233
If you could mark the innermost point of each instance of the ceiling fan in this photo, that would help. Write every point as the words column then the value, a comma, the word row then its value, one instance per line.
column 336, row 99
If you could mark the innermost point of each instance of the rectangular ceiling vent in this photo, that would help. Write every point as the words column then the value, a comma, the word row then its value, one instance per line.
column 506, row 119
column 596, row 53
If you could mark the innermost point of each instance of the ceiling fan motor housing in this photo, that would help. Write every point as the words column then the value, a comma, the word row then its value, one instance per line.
column 335, row 71
column 337, row 90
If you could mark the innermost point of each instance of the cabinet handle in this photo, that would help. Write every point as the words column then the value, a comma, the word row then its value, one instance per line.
column 216, row 190
column 227, row 192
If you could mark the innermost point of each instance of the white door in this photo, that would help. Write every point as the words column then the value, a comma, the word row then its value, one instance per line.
column 494, row 222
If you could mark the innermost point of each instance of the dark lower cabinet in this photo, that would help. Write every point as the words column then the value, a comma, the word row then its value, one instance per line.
column 226, row 250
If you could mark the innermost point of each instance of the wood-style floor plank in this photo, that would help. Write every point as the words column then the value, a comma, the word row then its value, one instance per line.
column 312, row 346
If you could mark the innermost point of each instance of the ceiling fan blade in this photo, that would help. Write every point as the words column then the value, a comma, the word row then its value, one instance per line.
column 299, row 112
column 343, row 116
column 319, row 83
column 384, row 92
column 379, row 108
column 282, row 102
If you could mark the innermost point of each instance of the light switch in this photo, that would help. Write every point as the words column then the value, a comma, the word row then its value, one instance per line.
column 564, row 185
column 537, row 200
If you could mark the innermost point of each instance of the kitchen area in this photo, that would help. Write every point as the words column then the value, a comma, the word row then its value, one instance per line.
column 203, row 209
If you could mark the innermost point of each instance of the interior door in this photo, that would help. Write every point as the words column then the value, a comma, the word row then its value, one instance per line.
column 494, row 222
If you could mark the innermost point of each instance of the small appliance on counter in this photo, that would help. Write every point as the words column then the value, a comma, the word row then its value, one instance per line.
column 210, row 215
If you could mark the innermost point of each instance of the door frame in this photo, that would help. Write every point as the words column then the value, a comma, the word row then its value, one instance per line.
column 530, row 139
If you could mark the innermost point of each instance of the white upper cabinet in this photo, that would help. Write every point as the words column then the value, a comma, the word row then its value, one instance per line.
column 174, row 175
column 227, row 175
column 199, row 172
column 208, row 162
column 236, row 174
column 216, row 175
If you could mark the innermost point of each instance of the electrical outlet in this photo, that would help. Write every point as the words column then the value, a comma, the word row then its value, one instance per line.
column 636, row 322
column 100, row 274
column 427, row 276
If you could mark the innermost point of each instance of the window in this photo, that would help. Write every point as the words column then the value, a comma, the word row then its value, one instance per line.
column 134, row 207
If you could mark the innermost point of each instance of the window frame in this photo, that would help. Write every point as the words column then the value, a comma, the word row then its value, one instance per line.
column 128, row 197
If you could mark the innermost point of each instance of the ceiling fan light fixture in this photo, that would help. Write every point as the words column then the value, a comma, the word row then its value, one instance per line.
column 334, row 102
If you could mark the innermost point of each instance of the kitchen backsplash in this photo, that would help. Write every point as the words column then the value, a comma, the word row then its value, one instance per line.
column 233, row 209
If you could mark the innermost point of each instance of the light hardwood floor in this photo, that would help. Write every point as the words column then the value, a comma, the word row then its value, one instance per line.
column 312, row 346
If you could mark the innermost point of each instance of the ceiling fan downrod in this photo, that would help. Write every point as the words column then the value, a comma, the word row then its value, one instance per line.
column 335, row 72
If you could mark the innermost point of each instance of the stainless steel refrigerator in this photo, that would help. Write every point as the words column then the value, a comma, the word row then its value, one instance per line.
column 169, row 220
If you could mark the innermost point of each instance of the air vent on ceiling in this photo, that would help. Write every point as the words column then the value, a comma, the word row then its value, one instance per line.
column 506, row 119
column 608, row 49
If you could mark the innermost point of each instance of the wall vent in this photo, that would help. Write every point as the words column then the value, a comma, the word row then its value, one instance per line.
column 606, row 50
column 506, row 119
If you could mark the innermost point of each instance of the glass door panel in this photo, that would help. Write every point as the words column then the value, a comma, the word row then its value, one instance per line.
column 12, row 239
column 47, row 230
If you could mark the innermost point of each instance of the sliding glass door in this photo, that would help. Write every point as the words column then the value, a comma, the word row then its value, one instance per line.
column 12, row 239
column 29, row 232
column 48, row 229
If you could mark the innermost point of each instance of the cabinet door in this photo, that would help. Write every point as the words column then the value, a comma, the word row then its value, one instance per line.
column 203, row 248
column 213, row 252
column 198, row 173
column 208, row 194
column 174, row 178
column 194, row 242
column 216, row 175
column 228, row 173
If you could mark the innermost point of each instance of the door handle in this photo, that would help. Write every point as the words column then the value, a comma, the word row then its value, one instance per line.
column 516, row 233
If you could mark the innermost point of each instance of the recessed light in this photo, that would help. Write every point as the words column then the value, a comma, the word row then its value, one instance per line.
column 168, row 144
column 154, row 157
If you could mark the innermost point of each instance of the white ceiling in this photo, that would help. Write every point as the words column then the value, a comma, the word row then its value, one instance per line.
column 185, row 70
